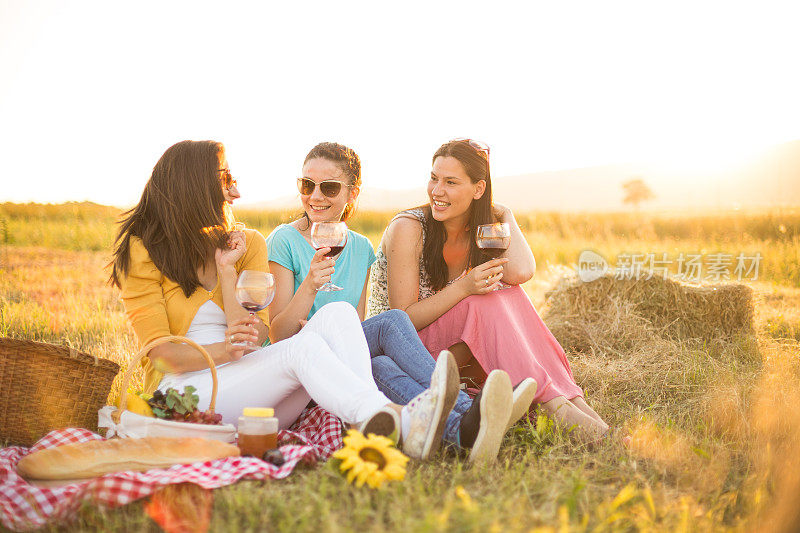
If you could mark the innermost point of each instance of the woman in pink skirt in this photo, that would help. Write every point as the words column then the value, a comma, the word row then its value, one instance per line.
column 429, row 265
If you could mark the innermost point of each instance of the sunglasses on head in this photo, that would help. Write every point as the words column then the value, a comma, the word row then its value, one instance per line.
column 330, row 188
column 478, row 145
column 226, row 178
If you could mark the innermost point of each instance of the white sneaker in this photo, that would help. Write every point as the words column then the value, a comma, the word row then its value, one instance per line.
column 523, row 397
column 423, row 419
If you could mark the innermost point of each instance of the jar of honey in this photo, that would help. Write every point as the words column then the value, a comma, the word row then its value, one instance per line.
column 258, row 431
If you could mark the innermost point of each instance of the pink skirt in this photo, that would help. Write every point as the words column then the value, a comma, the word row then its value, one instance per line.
column 504, row 331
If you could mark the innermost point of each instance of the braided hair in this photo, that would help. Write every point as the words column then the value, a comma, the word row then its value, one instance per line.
column 346, row 159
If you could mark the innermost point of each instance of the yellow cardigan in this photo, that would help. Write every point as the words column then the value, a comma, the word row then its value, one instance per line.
column 156, row 305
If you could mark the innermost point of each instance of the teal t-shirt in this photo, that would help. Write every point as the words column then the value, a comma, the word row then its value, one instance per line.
column 287, row 247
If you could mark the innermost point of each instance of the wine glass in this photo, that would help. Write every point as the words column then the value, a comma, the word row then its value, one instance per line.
column 254, row 291
column 493, row 240
column 331, row 235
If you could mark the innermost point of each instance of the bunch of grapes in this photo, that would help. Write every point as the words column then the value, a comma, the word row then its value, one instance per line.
column 181, row 407
column 204, row 417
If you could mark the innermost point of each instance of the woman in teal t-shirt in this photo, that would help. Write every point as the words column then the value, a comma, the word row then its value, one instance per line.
column 401, row 365
column 289, row 248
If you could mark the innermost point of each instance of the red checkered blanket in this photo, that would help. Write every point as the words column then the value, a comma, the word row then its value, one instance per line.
column 315, row 436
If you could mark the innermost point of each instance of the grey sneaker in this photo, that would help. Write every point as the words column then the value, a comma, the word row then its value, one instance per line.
column 495, row 409
column 424, row 417
column 523, row 397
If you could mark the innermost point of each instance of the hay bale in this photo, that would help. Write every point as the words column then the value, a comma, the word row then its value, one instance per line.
column 657, row 344
column 616, row 314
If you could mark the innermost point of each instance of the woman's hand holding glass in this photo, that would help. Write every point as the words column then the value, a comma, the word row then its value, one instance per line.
column 241, row 331
column 484, row 278
column 320, row 270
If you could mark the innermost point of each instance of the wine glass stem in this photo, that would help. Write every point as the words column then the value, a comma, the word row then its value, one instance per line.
column 252, row 344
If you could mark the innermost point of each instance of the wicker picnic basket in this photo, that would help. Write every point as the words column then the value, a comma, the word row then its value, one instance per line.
column 45, row 387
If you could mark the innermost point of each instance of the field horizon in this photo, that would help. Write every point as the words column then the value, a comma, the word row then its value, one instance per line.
column 767, row 179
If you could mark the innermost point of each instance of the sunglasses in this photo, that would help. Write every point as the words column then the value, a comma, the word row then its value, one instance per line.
column 481, row 148
column 226, row 178
column 330, row 188
column 478, row 145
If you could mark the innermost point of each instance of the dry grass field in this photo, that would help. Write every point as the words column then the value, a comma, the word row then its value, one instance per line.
column 711, row 408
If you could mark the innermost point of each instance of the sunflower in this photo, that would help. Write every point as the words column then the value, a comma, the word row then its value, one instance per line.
column 371, row 459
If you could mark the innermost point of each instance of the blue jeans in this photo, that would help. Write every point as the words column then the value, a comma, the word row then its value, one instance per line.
column 402, row 366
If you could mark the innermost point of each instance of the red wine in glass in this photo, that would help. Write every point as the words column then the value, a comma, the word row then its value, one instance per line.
column 252, row 306
column 493, row 240
column 331, row 235
column 335, row 250
column 493, row 248
column 254, row 291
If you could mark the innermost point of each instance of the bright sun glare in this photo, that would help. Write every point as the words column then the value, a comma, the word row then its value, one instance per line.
column 710, row 159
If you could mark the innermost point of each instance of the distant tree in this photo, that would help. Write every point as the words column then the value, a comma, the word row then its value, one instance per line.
column 636, row 191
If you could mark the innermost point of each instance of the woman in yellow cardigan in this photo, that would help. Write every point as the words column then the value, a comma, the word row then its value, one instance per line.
column 176, row 261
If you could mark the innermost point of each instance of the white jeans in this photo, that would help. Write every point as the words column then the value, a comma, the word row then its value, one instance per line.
column 327, row 361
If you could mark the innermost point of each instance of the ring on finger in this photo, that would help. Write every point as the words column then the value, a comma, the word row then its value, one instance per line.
column 232, row 341
column 487, row 282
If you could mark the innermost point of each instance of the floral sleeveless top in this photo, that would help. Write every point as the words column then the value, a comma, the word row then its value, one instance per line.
column 379, row 278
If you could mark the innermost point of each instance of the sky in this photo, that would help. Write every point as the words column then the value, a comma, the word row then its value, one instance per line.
column 92, row 93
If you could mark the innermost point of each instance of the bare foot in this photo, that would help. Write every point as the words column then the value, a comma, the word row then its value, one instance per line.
column 616, row 434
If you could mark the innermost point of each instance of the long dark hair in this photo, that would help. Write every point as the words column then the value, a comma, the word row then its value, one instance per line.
column 347, row 160
column 182, row 216
column 476, row 165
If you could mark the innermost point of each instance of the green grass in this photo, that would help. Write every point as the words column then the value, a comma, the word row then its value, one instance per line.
column 716, row 434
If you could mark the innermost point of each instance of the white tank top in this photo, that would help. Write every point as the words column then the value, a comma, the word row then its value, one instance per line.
column 208, row 325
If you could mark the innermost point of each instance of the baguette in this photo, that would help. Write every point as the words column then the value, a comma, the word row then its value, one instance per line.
column 98, row 457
